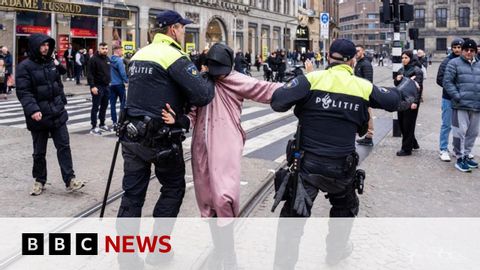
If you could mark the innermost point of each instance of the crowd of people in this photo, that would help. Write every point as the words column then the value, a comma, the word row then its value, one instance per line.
column 457, row 75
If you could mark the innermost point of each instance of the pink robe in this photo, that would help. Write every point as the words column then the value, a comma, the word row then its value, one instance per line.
column 218, row 140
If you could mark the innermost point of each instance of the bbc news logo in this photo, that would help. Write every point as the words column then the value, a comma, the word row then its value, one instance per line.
column 87, row 244
column 60, row 244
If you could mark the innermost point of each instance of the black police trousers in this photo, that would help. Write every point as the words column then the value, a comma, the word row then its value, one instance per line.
column 170, row 173
column 61, row 140
column 344, row 204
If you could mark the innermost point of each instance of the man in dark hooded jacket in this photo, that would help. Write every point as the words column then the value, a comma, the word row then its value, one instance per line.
column 40, row 91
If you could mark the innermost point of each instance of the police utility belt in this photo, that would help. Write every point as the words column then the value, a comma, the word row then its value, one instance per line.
column 286, row 176
column 150, row 132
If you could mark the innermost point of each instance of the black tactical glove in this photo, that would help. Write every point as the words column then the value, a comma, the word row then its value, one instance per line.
column 302, row 202
column 282, row 177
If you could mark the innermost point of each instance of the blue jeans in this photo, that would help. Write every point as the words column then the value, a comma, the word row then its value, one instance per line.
column 446, row 123
column 116, row 91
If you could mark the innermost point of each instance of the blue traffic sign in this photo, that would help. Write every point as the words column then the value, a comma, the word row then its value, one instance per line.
column 324, row 18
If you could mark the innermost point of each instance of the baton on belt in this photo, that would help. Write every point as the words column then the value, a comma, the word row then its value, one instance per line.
column 297, row 156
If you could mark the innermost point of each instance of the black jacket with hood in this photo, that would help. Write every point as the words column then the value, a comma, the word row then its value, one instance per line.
column 441, row 73
column 39, row 86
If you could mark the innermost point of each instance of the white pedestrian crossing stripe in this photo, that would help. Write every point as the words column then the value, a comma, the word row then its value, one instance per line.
column 78, row 108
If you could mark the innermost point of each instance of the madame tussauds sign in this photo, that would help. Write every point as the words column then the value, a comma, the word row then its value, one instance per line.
column 49, row 6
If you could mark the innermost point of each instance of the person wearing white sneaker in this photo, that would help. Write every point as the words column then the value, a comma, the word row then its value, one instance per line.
column 105, row 128
column 95, row 131
column 75, row 185
column 445, row 156
column 99, row 79
column 446, row 100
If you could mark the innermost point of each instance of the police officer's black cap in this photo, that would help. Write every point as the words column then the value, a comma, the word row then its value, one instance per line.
column 169, row 17
column 344, row 47
column 219, row 60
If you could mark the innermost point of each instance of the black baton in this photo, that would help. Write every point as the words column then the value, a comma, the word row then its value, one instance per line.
column 109, row 181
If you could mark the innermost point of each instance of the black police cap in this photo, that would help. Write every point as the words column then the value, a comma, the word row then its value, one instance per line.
column 169, row 17
column 344, row 47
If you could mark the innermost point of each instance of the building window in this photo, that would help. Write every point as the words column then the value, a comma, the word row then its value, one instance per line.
column 302, row 3
column 286, row 7
column 265, row 42
column 276, row 5
column 441, row 44
column 191, row 39
column 276, row 39
column 441, row 17
column 420, row 18
column 263, row 4
column 464, row 17
column 420, row 44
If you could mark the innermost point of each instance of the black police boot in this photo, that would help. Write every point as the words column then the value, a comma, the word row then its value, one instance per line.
column 334, row 258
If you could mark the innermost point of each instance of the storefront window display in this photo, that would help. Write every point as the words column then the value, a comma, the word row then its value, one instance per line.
column 276, row 39
column 84, row 32
column 265, row 42
column 125, row 29
column 215, row 32
column 252, row 40
column 191, row 40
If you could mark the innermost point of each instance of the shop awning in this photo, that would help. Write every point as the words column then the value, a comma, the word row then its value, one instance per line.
column 65, row 8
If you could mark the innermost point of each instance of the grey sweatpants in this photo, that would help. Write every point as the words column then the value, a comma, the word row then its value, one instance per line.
column 465, row 125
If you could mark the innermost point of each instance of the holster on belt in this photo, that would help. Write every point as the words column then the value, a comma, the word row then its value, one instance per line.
column 334, row 185
column 327, row 184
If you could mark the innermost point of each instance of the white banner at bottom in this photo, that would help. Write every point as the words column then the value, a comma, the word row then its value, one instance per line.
column 253, row 243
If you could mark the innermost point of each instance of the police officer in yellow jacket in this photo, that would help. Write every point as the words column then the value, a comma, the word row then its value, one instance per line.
column 159, row 73
column 332, row 107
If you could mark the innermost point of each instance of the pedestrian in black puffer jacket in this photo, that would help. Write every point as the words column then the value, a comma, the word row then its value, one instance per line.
column 40, row 88
column 408, row 119
column 364, row 69
column 40, row 91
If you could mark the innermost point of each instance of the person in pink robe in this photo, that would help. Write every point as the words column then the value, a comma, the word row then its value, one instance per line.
column 218, row 138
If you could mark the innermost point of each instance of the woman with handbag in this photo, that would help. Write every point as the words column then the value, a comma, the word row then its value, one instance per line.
column 408, row 119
